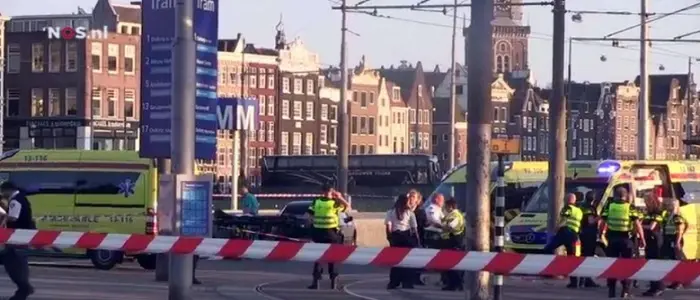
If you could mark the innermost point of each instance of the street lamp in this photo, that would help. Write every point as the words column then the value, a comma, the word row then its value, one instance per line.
column 577, row 18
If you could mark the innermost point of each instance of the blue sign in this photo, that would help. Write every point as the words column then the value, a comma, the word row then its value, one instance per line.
column 195, row 212
column 158, row 21
column 238, row 114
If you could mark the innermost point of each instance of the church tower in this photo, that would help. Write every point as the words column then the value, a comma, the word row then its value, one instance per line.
column 510, row 38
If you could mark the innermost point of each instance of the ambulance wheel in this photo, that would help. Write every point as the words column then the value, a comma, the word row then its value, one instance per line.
column 147, row 261
column 105, row 259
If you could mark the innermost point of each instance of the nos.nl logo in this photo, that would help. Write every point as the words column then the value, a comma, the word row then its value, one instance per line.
column 70, row 33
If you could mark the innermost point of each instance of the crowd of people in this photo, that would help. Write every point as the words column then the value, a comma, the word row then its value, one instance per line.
column 657, row 230
column 411, row 223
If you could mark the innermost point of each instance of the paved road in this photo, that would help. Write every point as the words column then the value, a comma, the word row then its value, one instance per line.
column 254, row 280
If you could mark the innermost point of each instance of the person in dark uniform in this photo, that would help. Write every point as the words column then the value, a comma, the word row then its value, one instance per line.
column 674, row 227
column 402, row 231
column 620, row 220
column 651, row 223
column 415, row 200
column 325, row 211
column 18, row 216
column 589, row 233
column 567, row 235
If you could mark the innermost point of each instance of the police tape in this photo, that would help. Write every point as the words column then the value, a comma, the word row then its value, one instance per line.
column 685, row 272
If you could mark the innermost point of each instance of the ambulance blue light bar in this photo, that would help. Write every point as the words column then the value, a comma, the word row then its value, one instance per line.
column 608, row 167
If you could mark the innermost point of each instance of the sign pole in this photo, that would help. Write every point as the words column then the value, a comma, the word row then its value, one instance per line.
column 183, row 134
column 235, row 168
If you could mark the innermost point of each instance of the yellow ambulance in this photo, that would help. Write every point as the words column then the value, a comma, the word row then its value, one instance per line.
column 680, row 180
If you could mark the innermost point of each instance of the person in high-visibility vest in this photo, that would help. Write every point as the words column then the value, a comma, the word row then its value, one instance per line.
column 325, row 211
column 453, row 238
column 674, row 228
column 567, row 235
column 620, row 219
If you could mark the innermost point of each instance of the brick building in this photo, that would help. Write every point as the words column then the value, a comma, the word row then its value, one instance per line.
column 364, row 109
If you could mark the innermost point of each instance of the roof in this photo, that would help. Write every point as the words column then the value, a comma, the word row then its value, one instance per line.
column 434, row 78
column 581, row 94
column 404, row 77
column 660, row 88
column 127, row 13
column 227, row 45
column 251, row 49
column 441, row 105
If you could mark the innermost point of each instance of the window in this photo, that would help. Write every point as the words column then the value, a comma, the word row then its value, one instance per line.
column 96, row 57
column 370, row 125
column 353, row 149
column 262, row 105
column 309, row 87
column 261, row 131
column 284, row 146
column 363, row 99
column 309, row 143
column 112, row 96
column 71, row 102
column 296, row 143
column 253, row 77
column 459, row 89
column 445, row 138
column 323, row 134
column 71, row 56
column 55, row 56
column 270, row 79
column 38, row 102
column 96, row 102
column 285, row 85
column 324, row 112
column 297, row 110
column 270, row 131
column 12, row 105
column 129, row 59
column 363, row 125
column 309, row 110
column 333, row 115
column 333, row 135
column 270, row 105
column 129, row 103
column 112, row 58
column 54, row 102
column 420, row 90
column 37, row 58
column 371, row 98
column 297, row 86
column 13, row 58
column 412, row 139
column 285, row 109
column 262, row 80
column 396, row 93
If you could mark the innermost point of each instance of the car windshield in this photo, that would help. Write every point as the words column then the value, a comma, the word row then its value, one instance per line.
column 448, row 189
column 539, row 203
column 296, row 209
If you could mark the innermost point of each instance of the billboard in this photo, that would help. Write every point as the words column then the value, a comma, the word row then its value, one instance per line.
column 238, row 113
column 158, row 21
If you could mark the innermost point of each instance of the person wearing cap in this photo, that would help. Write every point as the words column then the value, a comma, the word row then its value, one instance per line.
column 17, row 216
column 325, row 229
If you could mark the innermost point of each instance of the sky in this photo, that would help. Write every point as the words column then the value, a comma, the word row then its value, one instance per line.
column 426, row 36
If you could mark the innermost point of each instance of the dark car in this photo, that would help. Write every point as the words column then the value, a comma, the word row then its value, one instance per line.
column 299, row 209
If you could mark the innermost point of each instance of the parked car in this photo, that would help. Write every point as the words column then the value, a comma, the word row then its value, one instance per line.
column 298, row 210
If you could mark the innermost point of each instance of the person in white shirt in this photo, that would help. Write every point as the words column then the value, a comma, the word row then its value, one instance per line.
column 402, row 231
column 434, row 215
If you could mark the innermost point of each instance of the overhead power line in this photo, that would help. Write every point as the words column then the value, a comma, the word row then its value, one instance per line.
column 687, row 34
column 378, row 7
column 692, row 6
column 625, row 13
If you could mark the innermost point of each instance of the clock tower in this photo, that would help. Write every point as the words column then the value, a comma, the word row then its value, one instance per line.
column 510, row 38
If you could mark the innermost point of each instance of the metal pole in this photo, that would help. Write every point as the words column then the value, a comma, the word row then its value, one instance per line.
column 183, row 132
column 480, row 117
column 643, row 141
column 243, row 144
column 235, row 168
column 569, row 71
column 163, row 259
column 557, row 120
column 689, row 98
column 500, row 223
column 2, row 93
column 453, row 89
column 344, row 141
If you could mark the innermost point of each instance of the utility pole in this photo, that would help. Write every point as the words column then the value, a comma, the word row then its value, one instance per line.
column 453, row 89
column 480, row 117
column 643, row 141
column 557, row 119
column 163, row 259
column 2, row 94
column 344, row 141
column 183, row 132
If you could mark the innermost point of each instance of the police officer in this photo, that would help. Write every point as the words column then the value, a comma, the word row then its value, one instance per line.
column 567, row 235
column 673, row 229
column 325, row 212
column 619, row 220
column 18, row 216
column 652, row 221
column 589, row 232
column 453, row 238
column 402, row 231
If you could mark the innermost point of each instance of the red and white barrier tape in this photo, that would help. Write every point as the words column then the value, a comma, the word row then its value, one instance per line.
column 685, row 272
